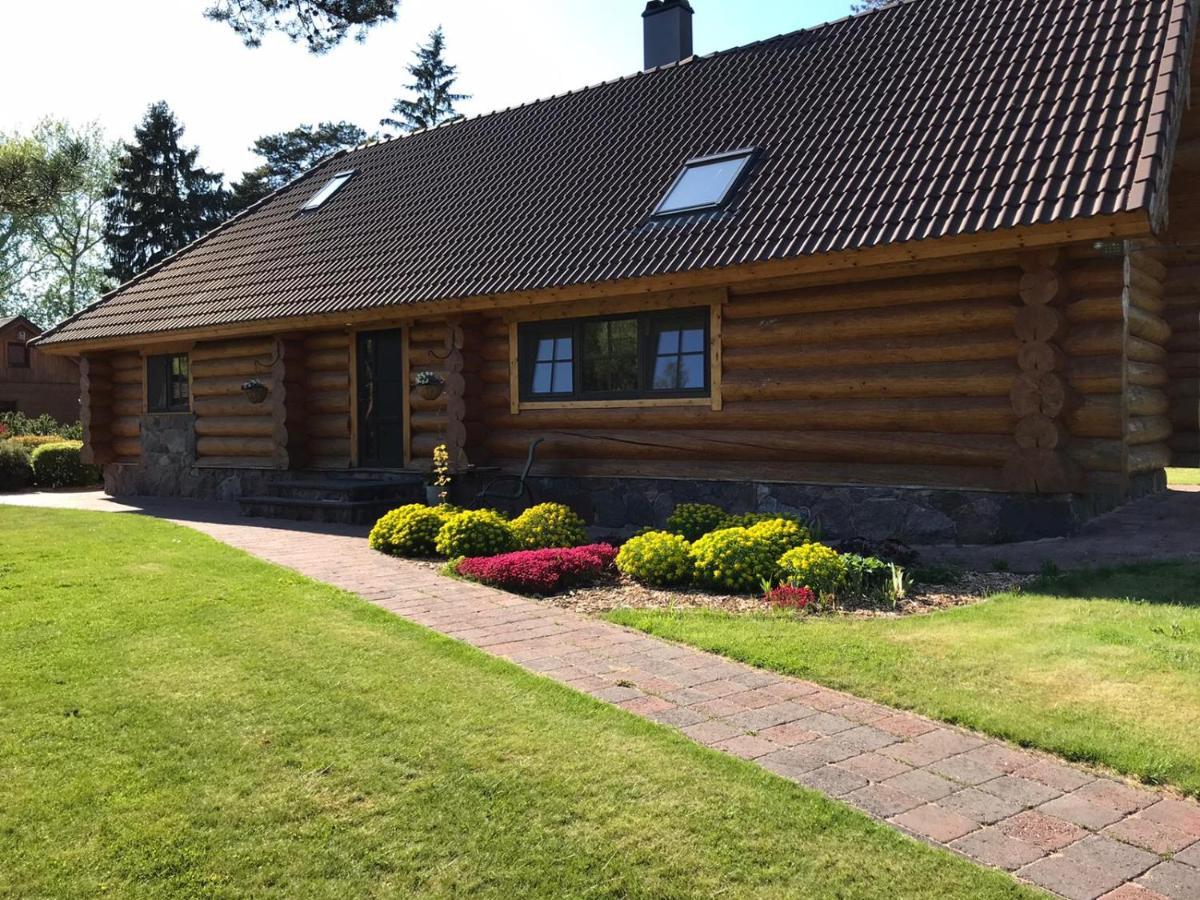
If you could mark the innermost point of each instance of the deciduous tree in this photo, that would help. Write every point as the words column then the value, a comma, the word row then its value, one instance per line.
column 161, row 200
column 433, row 97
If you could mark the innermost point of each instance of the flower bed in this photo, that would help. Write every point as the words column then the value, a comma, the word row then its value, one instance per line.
column 546, row 571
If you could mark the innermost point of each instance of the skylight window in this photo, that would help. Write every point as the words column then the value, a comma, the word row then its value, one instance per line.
column 332, row 186
column 704, row 183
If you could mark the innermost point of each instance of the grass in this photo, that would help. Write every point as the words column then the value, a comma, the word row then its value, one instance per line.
column 178, row 719
column 1101, row 667
column 1183, row 476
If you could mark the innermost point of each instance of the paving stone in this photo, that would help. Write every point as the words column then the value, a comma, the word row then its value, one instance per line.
column 875, row 766
column 1056, row 775
column 789, row 735
column 905, row 725
column 1081, row 811
column 980, row 806
column 864, row 713
column 1177, row 814
column 1190, row 856
column 719, row 708
column 964, row 769
column 931, row 747
column 678, row 717
column 776, row 714
column 711, row 731
column 865, row 737
column 1133, row 892
column 746, row 746
column 1070, row 879
column 833, row 780
column 1041, row 830
column 922, row 785
column 935, row 823
column 882, row 801
column 1019, row 790
column 827, row 723
column 1174, row 880
column 1153, row 836
column 1121, row 860
column 643, row 706
column 993, row 847
column 1006, row 759
column 617, row 693
column 1113, row 794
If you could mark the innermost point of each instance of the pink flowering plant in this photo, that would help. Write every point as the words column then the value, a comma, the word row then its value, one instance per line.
column 547, row 571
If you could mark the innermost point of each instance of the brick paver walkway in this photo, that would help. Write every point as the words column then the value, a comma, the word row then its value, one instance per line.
column 1066, row 828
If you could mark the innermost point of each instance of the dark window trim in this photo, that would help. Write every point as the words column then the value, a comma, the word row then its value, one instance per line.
column 26, row 361
column 171, row 405
column 749, row 153
column 529, row 333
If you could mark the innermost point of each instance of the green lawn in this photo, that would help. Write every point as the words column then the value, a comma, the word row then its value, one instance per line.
column 178, row 719
column 1074, row 668
column 1183, row 476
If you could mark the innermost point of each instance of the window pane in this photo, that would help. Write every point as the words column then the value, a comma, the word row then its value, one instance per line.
column 542, row 373
column 666, row 373
column 562, row 378
column 691, row 372
column 668, row 342
column 595, row 339
column 703, row 184
column 693, row 340
column 562, row 349
column 545, row 349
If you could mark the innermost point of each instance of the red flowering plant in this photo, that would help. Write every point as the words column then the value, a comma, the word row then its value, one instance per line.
column 787, row 596
column 540, row 571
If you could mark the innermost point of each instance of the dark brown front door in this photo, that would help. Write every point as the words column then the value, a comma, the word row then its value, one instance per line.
column 382, row 373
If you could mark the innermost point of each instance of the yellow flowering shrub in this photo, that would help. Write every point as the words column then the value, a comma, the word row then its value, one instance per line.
column 693, row 520
column 782, row 534
column 548, row 525
column 733, row 559
column 813, row 566
column 475, row 532
column 411, row 530
column 657, row 558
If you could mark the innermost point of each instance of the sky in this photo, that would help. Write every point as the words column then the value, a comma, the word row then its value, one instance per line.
column 107, row 60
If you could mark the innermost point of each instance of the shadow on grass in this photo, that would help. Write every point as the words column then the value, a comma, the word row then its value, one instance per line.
column 1173, row 583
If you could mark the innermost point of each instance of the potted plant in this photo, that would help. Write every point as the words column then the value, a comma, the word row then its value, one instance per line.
column 429, row 385
column 255, row 390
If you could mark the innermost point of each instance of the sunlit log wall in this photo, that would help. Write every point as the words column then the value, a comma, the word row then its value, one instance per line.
column 917, row 375
column 1182, row 297
column 112, row 402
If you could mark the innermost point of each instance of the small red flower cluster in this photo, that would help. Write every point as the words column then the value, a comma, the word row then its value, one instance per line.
column 785, row 596
column 3, row 429
column 540, row 571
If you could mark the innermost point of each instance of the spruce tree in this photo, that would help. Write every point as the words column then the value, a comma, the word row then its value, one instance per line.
column 291, row 153
column 161, row 200
column 433, row 87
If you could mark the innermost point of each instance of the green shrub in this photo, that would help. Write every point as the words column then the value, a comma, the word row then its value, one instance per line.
column 746, row 520
column 656, row 558
column 17, row 423
column 60, row 465
column 866, row 578
column 475, row 532
column 694, row 520
column 15, row 470
column 813, row 566
column 733, row 559
column 782, row 534
column 548, row 525
column 411, row 530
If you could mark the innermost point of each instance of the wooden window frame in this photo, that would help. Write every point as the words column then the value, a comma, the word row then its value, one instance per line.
column 524, row 334
column 153, row 360
column 26, row 362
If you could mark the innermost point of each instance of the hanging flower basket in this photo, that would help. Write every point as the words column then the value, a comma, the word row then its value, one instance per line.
column 429, row 385
column 255, row 390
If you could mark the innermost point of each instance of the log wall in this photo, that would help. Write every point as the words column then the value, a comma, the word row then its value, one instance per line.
column 327, row 401
column 112, row 398
column 1181, row 307
column 230, row 430
column 428, row 351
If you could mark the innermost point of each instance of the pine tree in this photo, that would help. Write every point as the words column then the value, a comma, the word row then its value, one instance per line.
column 322, row 24
column 433, row 87
column 291, row 153
column 161, row 200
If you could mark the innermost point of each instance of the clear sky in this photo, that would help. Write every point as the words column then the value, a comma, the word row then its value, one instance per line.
column 107, row 60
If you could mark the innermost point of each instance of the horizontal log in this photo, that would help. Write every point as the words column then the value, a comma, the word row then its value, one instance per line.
column 870, row 352
column 129, row 392
column 801, row 332
column 957, row 286
column 126, row 428
column 417, row 402
column 323, row 402
column 126, row 362
column 989, row 378
column 1144, row 351
column 1041, row 471
column 1095, row 340
column 96, row 385
column 1142, row 401
column 1100, row 416
column 1147, row 429
column 127, row 407
column 319, row 382
column 1096, row 277
column 227, row 405
column 427, row 332
column 127, row 447
column 1151, row 301
column 244, row 367
column 256, row 346
column 336, row 359
column 329, row 448
column 1098, row 455
column 1148, row 326
column 234, row 426
column 235, row 446
column 333, row 426
column 983, row 415
column 1039, row 287
column 1095, row 309
column 227, row 385
column 1096, row 374
column 1147, row 374
column 867, row 447
column 127, row 376
column 1149, row 458
column 327, row 340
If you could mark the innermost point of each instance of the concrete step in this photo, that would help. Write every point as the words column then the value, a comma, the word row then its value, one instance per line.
column 406, row 491
column 309, row 509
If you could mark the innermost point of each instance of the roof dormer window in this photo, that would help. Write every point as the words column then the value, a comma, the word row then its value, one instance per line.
column 705, row 183
column 331, row 187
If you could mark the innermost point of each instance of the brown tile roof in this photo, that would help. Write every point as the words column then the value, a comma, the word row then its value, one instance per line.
column 927, row 119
